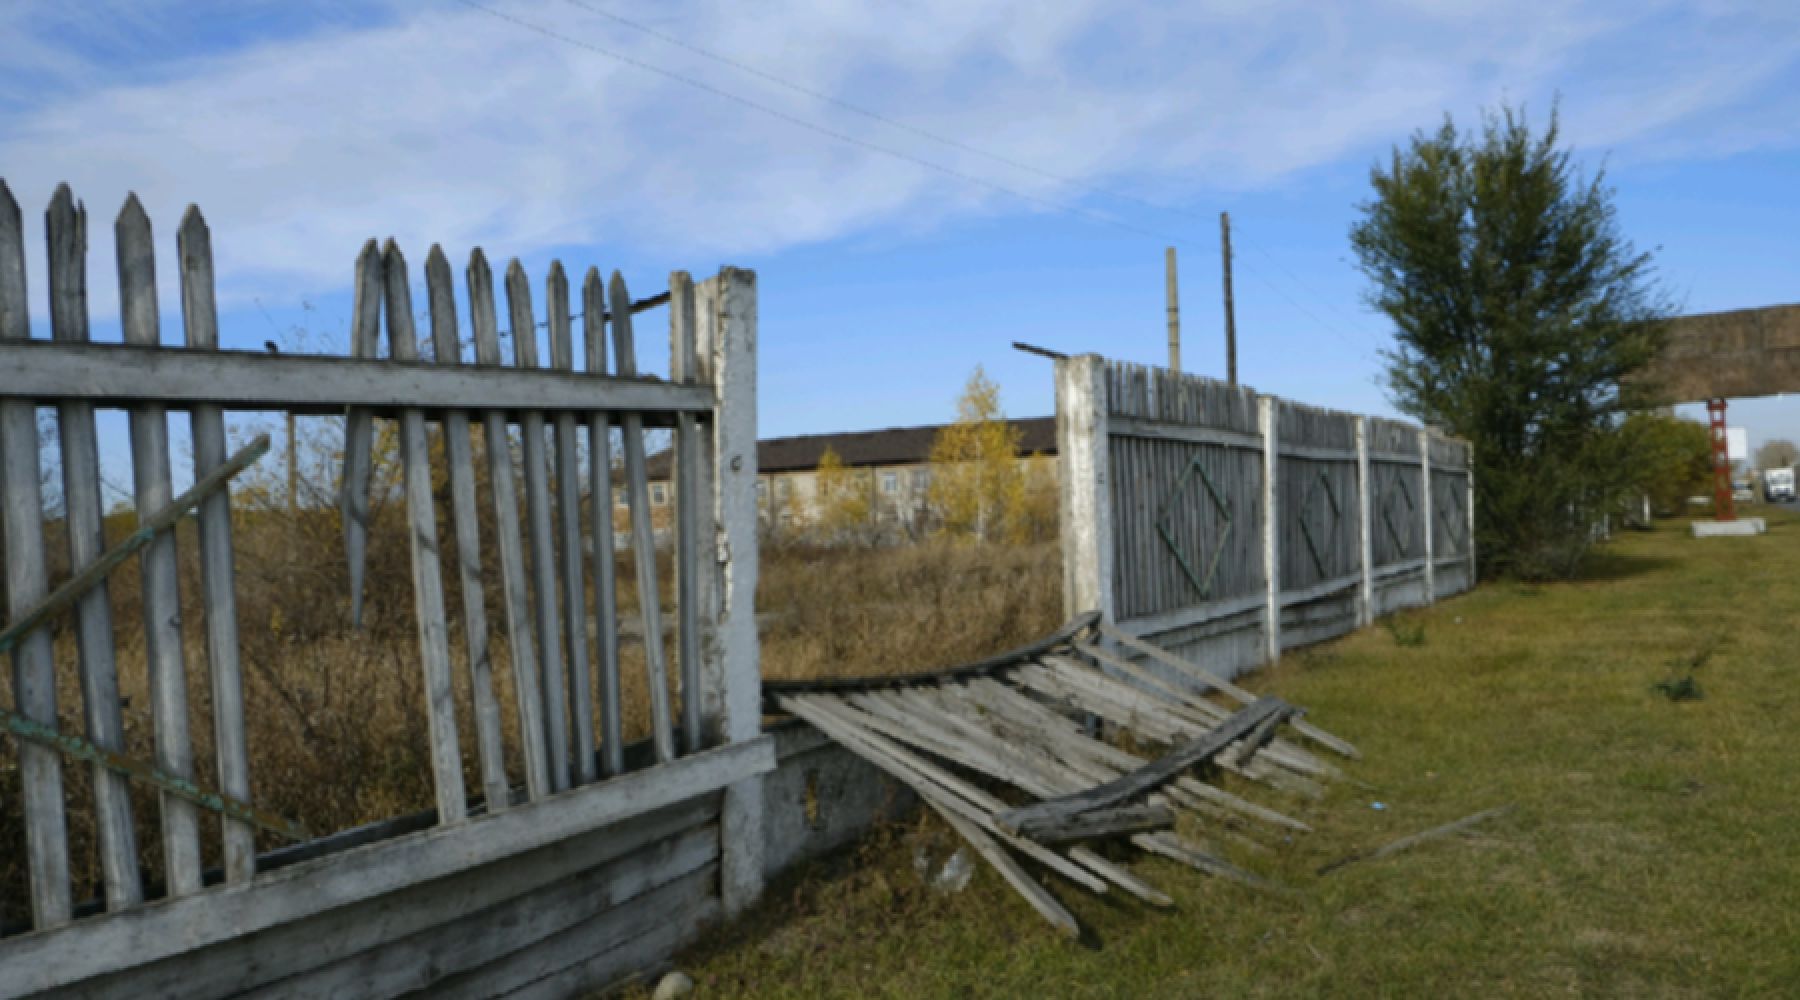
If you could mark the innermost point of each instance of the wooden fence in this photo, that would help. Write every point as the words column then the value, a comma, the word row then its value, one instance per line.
column 585, row 869
column 1230, row 525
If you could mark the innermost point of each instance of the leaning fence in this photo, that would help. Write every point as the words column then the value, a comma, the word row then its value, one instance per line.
column 590, row 858
column 1230, row 525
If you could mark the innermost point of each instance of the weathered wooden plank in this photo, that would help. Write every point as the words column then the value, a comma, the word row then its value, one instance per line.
column 1138, row 427
column 320, row 385
column 689, row 505
column 606, row 567
column 951, row 796
column 397, row 927
column 1201, row 676
column 1107, row 823
column 1117, row 761
column 527, row 690
column 1029, row 820
column 643, row 537
column 511, row 942
column 140, row 935
column 157, row 568
column 27, row 582
column 359, row 425
column 1174, row 848
column 540, row 537
column 568, row 528
column 200, row 321
column 99, row 682
column 460, row 457
column 643, row 931
column 427, row 572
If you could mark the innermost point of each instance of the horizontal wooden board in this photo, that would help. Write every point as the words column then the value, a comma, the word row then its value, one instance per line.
column 381, row 937
column 120, row 374
column 44, row 960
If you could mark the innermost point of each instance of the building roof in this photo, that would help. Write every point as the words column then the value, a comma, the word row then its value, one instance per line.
column 865, row 449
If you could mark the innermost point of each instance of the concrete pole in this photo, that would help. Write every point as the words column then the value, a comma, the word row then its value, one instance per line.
column 1174, row 304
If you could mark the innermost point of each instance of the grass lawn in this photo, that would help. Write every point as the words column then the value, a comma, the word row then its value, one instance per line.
column 1654, row 849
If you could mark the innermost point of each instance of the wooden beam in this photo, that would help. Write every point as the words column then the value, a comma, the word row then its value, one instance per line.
column 34, row 962
column 1030, row 820
column 124, row 374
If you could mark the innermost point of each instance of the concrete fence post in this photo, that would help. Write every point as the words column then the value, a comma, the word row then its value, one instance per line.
column 1425, row 511
column 1086, row 486
column 1469, row 484
column 725, row 314
column 1268, row 413
column 1365, row 545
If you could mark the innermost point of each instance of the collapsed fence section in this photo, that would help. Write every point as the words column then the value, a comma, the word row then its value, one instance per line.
column 1230, row 525
column 556, row 855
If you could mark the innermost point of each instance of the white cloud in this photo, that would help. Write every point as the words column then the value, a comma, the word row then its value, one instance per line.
column 442, row 123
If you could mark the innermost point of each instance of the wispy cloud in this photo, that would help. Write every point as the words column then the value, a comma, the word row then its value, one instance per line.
column 304, row 130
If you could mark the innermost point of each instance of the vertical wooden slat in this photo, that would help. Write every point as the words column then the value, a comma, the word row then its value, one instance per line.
column 447, row 350
column 359, row 426
column 217, row 584
column 1268, row 412
column 600, row 494
column 568, row 514
column 537, row 519
column 100, row 700
column 643, row 531
column 428, row 581
column 688, row 501
column 161, row 593
column 527, row 690
column 27, row 583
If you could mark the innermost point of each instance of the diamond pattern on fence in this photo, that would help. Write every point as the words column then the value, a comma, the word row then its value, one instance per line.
column 1450, row 513
column 1387, row 514
column 1202, row 582
column 1322, row 484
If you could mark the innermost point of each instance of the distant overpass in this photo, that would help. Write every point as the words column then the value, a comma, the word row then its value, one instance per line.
column 1729, row 355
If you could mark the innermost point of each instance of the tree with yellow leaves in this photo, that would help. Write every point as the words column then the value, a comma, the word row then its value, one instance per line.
column 977, row 487
column 842, row 496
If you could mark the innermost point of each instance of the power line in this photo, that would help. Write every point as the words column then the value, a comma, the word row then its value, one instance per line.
column 912, row 159
column 1256, row 245
column 1361, row 350
column 811, row 126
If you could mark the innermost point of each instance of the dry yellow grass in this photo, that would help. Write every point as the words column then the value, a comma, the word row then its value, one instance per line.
column 335, row 716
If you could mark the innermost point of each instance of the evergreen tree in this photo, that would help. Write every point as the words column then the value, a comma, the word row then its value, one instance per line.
column 1520, row 312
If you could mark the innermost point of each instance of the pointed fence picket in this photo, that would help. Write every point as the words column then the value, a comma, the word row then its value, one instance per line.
column 562, row 650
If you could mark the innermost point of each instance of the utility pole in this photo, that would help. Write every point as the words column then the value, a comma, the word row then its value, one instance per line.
column 1174, row 300
column 1230, row 311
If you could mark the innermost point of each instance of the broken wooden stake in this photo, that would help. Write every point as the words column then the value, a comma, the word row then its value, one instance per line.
column 1405, row 843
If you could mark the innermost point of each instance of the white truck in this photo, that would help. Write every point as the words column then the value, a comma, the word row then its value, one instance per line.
column 1778, row 485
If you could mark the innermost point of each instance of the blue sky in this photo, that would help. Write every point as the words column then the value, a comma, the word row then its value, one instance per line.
column 891, row 264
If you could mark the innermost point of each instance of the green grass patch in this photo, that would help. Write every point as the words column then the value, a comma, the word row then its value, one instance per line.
column 1652, row 850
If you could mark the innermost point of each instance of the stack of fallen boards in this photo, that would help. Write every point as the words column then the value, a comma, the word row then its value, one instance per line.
column 1023, row 722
